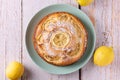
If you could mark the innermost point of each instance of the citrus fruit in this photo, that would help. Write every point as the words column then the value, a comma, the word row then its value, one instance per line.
column 103, row 56
column 14, row 70
column 60, row 39
column 84, row 2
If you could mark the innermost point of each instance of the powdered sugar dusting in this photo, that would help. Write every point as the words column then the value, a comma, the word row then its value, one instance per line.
column 48, row 50
column 45, row 35
column 67, row 25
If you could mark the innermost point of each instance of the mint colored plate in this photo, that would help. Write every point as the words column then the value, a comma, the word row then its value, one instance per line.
column 91, row 39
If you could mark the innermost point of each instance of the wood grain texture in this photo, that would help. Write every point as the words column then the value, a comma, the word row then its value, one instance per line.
column 10, row 34
column 32, row 71
column 2, row 44
column 106, row 19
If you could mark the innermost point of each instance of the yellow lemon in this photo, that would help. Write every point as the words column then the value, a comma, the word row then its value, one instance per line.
column 103, row 56
column 14, row 70
column 84, row 2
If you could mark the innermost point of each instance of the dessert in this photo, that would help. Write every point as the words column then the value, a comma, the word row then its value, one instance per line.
column 60, row 38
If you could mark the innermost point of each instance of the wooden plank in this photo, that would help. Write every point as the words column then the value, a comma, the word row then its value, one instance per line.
column 2, row 44
column 33, row 71
column 115, row 72
column 10, row 37
column 105, row 17
column 70, row 2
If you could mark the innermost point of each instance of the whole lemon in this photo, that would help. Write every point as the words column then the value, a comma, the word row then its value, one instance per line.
column 14, row 70
column 84, row 2
column 103, row 56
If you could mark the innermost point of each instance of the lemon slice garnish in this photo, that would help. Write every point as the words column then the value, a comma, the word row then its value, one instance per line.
column 60, row 39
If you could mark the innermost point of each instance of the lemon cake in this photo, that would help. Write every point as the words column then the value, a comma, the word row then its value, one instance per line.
column 60, row 38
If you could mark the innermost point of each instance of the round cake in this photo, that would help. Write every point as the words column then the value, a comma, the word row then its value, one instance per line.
column 60, row 38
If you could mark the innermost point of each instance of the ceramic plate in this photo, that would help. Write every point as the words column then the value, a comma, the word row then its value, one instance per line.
column 56, row 69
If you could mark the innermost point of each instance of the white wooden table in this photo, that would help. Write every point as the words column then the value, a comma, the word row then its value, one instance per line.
column 14, row 17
